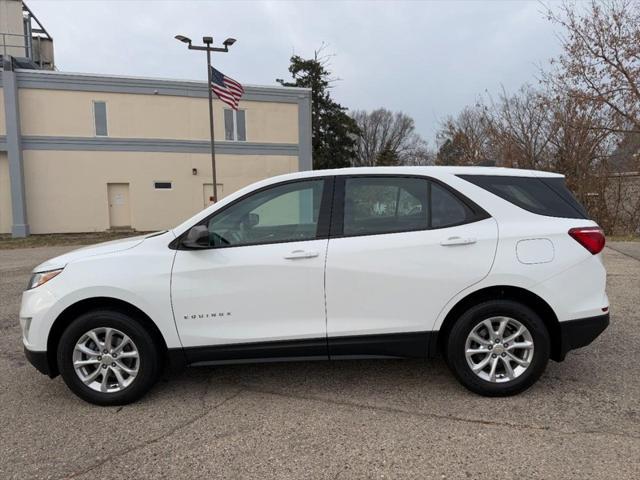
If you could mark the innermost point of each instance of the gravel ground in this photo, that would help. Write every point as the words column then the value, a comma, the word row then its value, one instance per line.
column 349, row 419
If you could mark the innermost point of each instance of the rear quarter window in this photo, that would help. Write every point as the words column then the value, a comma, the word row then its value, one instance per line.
column 544, row 196
column 446, row 209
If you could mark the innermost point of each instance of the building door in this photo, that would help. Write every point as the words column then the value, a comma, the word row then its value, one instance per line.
column 207, row 192
column 119, row 209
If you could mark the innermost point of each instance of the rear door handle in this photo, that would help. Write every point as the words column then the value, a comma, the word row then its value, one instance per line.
column 296, row 254
column 451, row 241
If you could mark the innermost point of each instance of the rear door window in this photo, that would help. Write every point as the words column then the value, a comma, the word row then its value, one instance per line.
column 375, row 205
column 385, row 205
column 544, row 196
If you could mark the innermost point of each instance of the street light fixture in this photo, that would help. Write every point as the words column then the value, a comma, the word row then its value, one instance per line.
column 183, row 39
column 208, row 48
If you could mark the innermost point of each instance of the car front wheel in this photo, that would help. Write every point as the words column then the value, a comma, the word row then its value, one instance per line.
column 498, row 348
column 107, row 358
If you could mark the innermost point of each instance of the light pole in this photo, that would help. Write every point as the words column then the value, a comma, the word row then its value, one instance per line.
column 208, row 48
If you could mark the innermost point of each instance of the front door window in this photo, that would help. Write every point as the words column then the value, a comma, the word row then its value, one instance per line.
column 285, row 213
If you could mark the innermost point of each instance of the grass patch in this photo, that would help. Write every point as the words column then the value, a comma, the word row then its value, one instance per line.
column 623, row 238
column 61, row 239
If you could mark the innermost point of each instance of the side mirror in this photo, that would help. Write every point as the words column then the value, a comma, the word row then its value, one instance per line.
column 197, row 237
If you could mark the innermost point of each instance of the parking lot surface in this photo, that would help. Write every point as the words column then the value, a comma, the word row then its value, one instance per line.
column 338, row 420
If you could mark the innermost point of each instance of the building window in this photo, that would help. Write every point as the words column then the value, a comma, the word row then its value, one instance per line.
column 163, row 185
column 100, row 118
column 234, row 125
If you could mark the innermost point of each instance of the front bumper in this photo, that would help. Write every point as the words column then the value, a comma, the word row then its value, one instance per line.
column 40, row 360
column 580, row 332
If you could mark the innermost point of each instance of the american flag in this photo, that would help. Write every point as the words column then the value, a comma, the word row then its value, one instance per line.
column 227, row 89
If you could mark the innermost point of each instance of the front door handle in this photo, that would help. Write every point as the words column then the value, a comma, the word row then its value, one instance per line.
column 296, row 254
column 451, row 241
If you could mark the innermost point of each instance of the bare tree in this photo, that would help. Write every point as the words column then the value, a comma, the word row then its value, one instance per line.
column 583, row 121
column 511, row 130
column 387, row 138
column 598, row 120
column 601, row 59
column 520, row 128
column 580, row 146
column 465, row 139
column 421, row 156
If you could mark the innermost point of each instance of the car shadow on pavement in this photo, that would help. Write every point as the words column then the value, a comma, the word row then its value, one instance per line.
column 366, row 382
column 322, row 378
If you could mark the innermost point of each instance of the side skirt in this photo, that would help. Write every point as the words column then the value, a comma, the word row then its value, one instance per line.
column 392, row 345
column 386, row 345
column 257, row 351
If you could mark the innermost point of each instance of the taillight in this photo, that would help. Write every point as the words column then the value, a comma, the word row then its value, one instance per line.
column 591, row 238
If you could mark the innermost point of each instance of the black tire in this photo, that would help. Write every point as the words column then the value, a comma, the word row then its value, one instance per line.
column 456, row 340
column 149, row 363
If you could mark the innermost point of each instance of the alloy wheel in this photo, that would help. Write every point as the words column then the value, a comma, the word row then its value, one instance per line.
column 106, row 360
column 499, row 349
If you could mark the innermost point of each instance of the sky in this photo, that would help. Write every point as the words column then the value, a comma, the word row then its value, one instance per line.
column 428, row 59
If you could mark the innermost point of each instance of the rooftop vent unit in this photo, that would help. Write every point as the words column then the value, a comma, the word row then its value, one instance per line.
column 23, row 37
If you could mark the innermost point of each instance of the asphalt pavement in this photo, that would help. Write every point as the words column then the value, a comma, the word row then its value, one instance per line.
column 333, row 420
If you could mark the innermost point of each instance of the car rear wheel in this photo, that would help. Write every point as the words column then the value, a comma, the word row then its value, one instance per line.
column 107, row 358
column 498, row 348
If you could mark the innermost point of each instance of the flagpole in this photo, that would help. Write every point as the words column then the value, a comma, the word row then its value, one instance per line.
column 213, row 147
column 208, row 48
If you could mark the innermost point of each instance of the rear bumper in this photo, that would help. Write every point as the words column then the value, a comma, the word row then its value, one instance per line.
column 580, row 332
column 40, row 360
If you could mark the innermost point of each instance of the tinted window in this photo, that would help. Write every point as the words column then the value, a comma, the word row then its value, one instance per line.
column 385, row 204
column 241, row 131
column 229, row 130
column 235, row 125
column 446, row 208
column 548, row 196
column 100, row 118
column 558, row 186
column 280, row 214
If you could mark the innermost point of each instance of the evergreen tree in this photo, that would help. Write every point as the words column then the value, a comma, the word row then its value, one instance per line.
column 451, row 152
column 387, row 158
column 334, row 132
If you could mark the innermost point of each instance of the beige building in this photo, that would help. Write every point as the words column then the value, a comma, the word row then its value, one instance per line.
column 84, row 152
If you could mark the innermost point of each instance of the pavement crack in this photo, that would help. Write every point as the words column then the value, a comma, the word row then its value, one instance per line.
column 437, row 416
column 624, row 253
column 206, row 411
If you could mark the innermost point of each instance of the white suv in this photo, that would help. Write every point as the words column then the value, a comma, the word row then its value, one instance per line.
column 496, row 269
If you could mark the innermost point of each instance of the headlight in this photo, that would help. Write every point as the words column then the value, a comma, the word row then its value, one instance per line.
column 41, row 278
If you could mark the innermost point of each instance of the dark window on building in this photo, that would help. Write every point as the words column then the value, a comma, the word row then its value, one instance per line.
column 229, row 129
column 234, row 125
column 163, row 185
column 544, row 196
column 241, row 131
column 100, row 118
